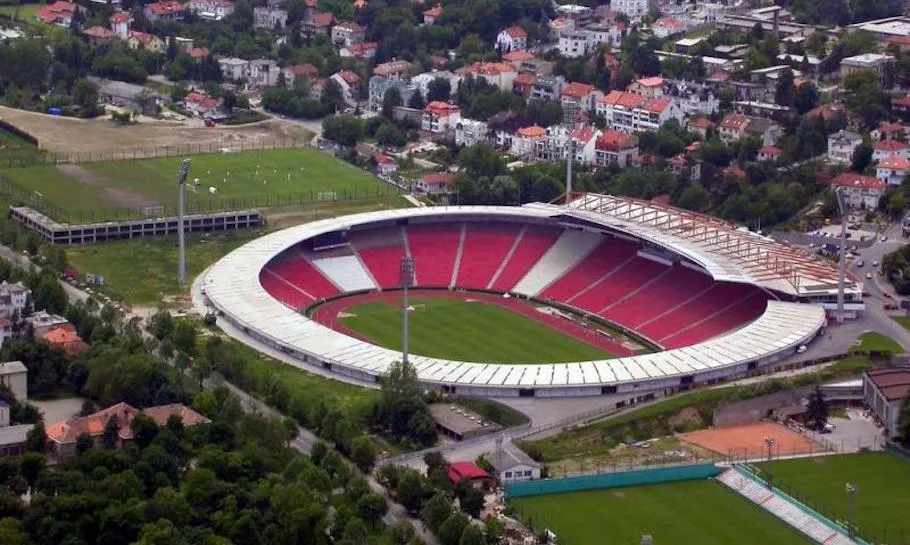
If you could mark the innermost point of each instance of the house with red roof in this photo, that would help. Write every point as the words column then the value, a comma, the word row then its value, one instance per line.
column 120, row 23
column 166, row 10
column 584, row 140
column 652, row 87
column 892, row 170
column 770, row 153
column 439, row 117
column 513, row 38
column 149, row 42
column 524, row 143
column 345, row 33
column 66, row 339
column 349, row 83
column 615, row 148
column 430, row 15
column 63, row 435
column 469, row 471
column 319, row 22
column 859, row 191
column 523, row 84
column 889, row 131
column 99, row 34
column 200, row 104
column 360, row 51
column 700, row 125
column 299, row 72
column 734, row 127
column 500, row 74
column 518, row 57
column 667, row 26
column 901, row 105
column 886, row 149
column 579, row 97
column 58, row 13
column 633, row 112
column 435, row 183
column 198, row 53
column 385, row 165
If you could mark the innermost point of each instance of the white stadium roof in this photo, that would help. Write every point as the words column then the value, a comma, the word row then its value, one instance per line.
column 232, row 286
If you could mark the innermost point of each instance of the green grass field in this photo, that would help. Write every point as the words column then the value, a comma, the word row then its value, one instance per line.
column 254, row 179
column 468, row 331
column 872, row 341
column 684, row 513
column 883, row 496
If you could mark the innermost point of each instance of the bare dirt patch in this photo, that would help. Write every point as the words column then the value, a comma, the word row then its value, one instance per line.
column 117, row 197
column 686, row 418
column 619, row 494
column 83, row 176
column 70, row 135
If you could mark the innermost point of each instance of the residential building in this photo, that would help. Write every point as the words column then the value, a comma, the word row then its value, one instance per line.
column 700, row 125
column 13, row 299
column 524, row 144
column 611, row 35
column 469, row 132
column 150, row 42
column 345, row 33
column 632, row 112
column 211, row 10
column 12, row 438
column 558, row 27
column 523, row 85
column 547, row 88
column 841, row 146
column 435, row 183
column 129, row 95
column 736, row 126
column 120, row 23
column 901, row 105
column 770, row 153
column 349, row 83
column 379, row 85
column 499, row 74
column 234, row 69
column 615, row 148
column 166, row 10
column 633, row 9
column 892, row 170
column 439, row 117
column 6, row 330
column 200, row 104
column 553, row 146
column 430, row 15
column 884, row 393
column 14, row 375
column 385, row 165
column 299, row 73
column 652, row 87
column 360, row 51
column 319, row 22
column 98, row 34
column 664, row 27
column 577, row 99
column 890, row 148
column 881, row 64
column 859, row 191
column 41, row 322
column 889, row 131
column 58, row 13
column 513, row 38
column 63, row 435
column 66, row 339
column 512, row 465
column 269, row 18
column 581, row 15
column 263, row 73
column 422, row 81
column 573, row 44
column 584, row 140
column 471, row 472
column 392, row 69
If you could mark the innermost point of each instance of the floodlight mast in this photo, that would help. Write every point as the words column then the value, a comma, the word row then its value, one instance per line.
column 407, row 280
column 181, row 242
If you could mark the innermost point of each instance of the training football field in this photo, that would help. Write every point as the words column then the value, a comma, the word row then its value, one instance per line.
column 216, row 181
column 883, row 490
column 684, row 513
column 467, row 331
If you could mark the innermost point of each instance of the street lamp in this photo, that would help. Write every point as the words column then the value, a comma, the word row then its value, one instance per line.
column 851, row 490
column 407, row 280
column 843, row 254
column 769, row 442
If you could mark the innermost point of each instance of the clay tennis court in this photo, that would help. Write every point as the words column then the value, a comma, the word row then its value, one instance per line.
column 748, row 441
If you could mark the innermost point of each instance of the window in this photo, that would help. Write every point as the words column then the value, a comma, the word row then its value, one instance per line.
column 508, row 474
column 527, row 473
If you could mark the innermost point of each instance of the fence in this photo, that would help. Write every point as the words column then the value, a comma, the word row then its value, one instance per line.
column 689, row 472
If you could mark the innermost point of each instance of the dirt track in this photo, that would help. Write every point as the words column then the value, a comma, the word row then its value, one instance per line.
column 67, row 135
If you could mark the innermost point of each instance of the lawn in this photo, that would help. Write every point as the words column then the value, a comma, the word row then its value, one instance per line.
column 684, row 513
column 882, row 499
column 904, row 321
column 15, row 150
column 468, row 331
column 253, row 179
column 872, row 341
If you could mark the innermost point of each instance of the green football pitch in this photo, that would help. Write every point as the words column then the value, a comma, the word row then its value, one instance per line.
column 239, row 180
column 684, row 513
column 882, row 497
column 468, row 331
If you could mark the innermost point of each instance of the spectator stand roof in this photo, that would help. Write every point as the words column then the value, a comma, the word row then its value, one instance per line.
column 232, row 286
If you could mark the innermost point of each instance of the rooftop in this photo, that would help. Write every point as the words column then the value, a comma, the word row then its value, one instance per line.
column 893, row 383
column 12, row 367
column 852, row 179
column 458, row 419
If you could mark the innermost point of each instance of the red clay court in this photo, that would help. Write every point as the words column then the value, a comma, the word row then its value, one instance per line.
column 748, row 441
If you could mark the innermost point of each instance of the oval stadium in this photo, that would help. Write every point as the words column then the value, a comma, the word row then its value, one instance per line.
column 604, row 295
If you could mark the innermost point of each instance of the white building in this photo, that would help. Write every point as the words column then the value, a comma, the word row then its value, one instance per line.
column 14, row 376
column 574, row 44
column 13, row 299
column 584, row 141
column 269, row 18
column 513, row 38
column 524, row 142
column 842, row 145
column 211, row 10
column 234, row 69
column 859, row 191
column 890, row 148
column 633, row 9
column 439, row 117
column 553, row 146
column 469, row 132
column 348, row 82
column 615, row 148
column 632, row 112
column 581, row 15
column 263, row 73
column 868, row 61
column 892, row 170
column 511, row 465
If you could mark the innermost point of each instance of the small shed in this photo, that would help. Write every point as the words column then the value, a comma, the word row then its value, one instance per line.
column 512, row 465
column 459, row 471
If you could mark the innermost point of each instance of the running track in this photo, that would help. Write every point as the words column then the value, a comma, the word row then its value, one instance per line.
column 327, row 315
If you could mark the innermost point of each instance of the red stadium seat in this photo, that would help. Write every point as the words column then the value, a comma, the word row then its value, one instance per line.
column 434, row 248
column 485, row 248
column 533, row 245
column 299, row 272
column 609, row 255
column 281, row 290
column 669, row 291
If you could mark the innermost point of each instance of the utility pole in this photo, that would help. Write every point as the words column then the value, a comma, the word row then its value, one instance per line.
column 407, row 280
column 769, row 441
column 181, row 242
column 842, row 268
column 851, row 490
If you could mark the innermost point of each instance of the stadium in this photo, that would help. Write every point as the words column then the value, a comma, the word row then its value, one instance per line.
column 667, row 298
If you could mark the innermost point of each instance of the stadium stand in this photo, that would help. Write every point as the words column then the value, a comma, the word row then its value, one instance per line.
column 434, row 249
column 624, row 280
column 531, row 245
column 670, row 290
column 707, row 303
column 736, row 315
column 794, row 515
column 346, row 272
column 280, row 289
column 611, row 254
column 300, row 273
column 380, row 250
column 565, row 253
column 484, row 252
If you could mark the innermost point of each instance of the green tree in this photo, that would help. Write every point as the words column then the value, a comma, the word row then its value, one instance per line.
column 450, row 531
column 344, row 130
column 31, row 467
column 390, row 100
column 417, row 101
column 436, row 511
column 184, row 337
column 472, row 535
column 50, row 295
column 862, row 157
column 11, row 532
column 363, row 453
column 806, row 97
column 36, row 439
column 817, row 410
column 440, row 89
column 471, row 501
column 144, row 430
column 161, row 532
column 85, row 98
column 785, row 90
column 161, row 324
column 371, row 508
column 410, row 491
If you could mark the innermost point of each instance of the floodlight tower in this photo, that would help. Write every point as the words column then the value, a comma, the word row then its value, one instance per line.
column 407, row 280
column 842, row 265
column 181, row 242
column 851, row 490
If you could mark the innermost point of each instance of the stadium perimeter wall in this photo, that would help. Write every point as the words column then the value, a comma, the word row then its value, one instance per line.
column 611, row 480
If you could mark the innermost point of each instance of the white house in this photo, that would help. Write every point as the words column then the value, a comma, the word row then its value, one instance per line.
column 263, row 73
column 13, row 299
column 770, row 153
column 841, row 146
column 347, row 33
column 234, row 69
column 859, row 191
column 348, row 83
column 890, row 148
column 632, row 112
column 211, row 10
column 269, row 18
column 14, row 376
column 439, row 117
column 469, row 132
column 584, row 142
column 578, row 98
column 435, row 183
column 574, row 44
column 524, row 142
column 120, row 24
column 513, row 38
column 511, row 465
column 892, row 170
column 633, row 9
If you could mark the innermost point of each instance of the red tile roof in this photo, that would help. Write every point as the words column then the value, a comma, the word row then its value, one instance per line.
column 57, row 10
column 438, row 178
column 435, row 11
column 164, row 8
column 524, row 78
column 895, row 163
column 350, row 77
column 701, row 123
column 903, row 101
column 770, row 150
column 577, row 90
column 99, row 32
column 534, row 131
column 390, row 68
column 852, row 179
column 584, row 133
column 615, row 141
column 323, row 19
column 467, row 470
column 68, row 431
column 518, row 56
column 624, row 99
column 361, row 49
column 198, row 52
column 350, row 26
column 890, row 145
column 516, row 32
column 121, row 17
column 670, row 22
column 653, row 81
column 146, row 38
column 734, row 171
column 735, row 122
column 304, row 70
column 441, row 108
column 656, row 105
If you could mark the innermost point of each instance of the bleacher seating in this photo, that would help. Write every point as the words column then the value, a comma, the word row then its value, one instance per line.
column 571, row 247
column 533, row 245
column 346, row 272
column 283, row 291
column 611, row 253
column 434, row 248
column 485, row 248
column 625, row 280
column 669, row 291
column 381, row 251
column 700, row 306
column 721, row 322
column 299, row 272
